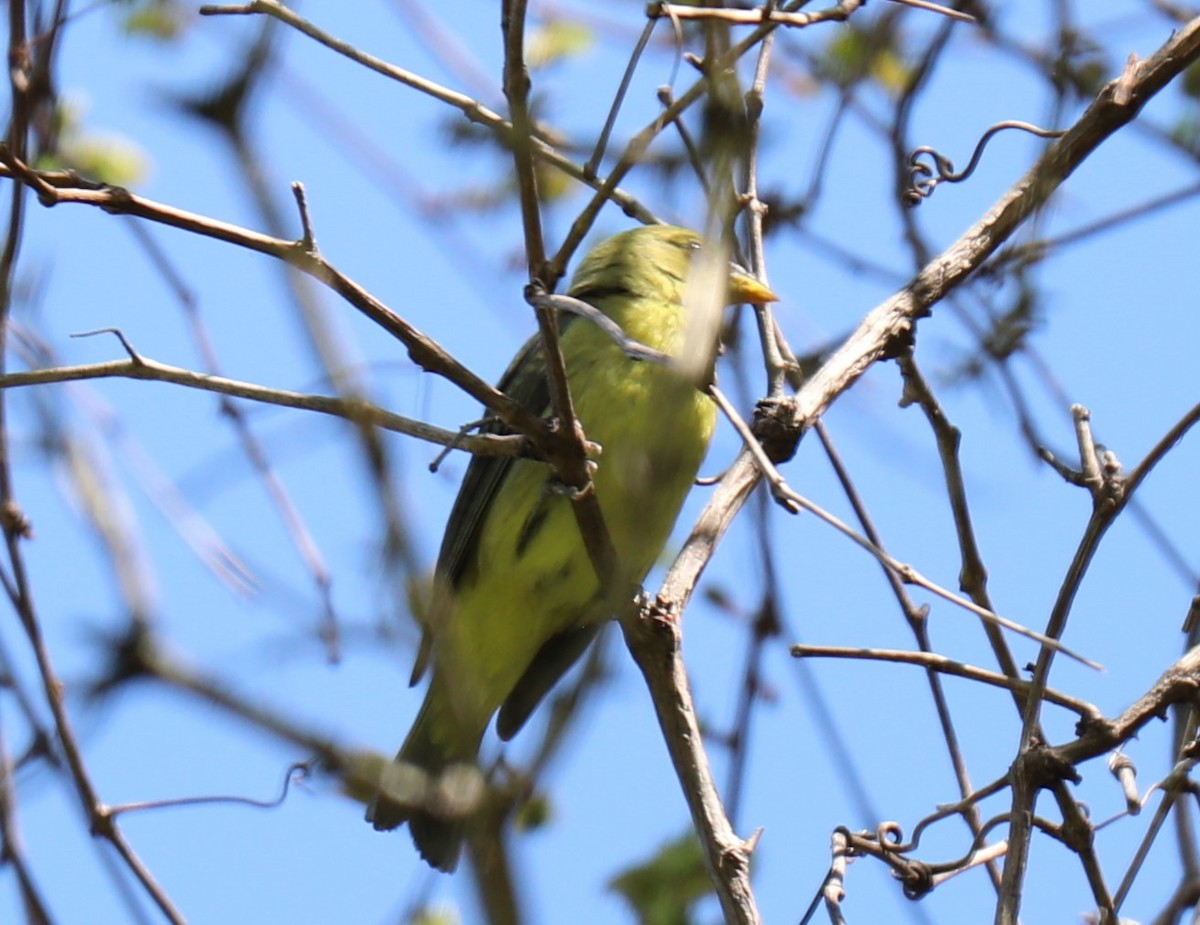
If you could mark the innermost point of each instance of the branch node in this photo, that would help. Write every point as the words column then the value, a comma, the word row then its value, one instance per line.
column 1043, row 767
column 1192, row 620
column 1122, row 768
column 119, row 335
column 308, row 241
column 777, row 429
column 13, row 520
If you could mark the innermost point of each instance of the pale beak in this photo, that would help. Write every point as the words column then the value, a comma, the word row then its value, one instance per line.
column 743, row 287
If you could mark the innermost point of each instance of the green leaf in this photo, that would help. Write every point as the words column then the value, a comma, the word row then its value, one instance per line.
column 162, row 20
column 1186, row 133
column 436, row 915
column 104, row 157
column 533, row 813
column 1191, row 81
column 556, row 40
column 108, row 159
column 856, row 54
column 663, row 890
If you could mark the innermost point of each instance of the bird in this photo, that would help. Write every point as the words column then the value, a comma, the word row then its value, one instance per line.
column 516, row 598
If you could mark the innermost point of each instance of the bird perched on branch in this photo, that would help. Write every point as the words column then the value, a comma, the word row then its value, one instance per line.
column 516, row 596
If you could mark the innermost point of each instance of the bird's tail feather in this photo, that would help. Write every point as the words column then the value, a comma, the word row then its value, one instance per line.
column 434, row 768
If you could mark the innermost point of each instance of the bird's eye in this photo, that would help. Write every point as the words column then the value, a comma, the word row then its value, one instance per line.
column 693, row 245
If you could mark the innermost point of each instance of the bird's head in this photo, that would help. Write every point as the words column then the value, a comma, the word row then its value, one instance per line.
column 656, row 261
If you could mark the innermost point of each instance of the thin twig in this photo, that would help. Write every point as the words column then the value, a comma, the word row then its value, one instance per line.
column 840, row 12
column 944, row 665
column 358, row 411
column 795, row 502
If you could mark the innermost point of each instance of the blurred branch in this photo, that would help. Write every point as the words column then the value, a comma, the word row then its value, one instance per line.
column 637, row 146
column 30, row 75
column 766, row 625
column 81, row 449
column 472, row 109
column 226, row 108
column 12, row 850
column 138, row 656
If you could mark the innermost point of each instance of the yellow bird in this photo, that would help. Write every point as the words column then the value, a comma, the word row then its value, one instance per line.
column 516, row 598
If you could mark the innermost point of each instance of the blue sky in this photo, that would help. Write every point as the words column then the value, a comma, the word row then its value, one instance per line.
column 1119, row 332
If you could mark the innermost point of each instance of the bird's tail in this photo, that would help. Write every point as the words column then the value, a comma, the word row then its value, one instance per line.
column 435, row 777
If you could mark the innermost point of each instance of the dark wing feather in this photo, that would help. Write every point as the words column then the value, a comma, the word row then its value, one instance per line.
column 525, row 383
column 552, row 661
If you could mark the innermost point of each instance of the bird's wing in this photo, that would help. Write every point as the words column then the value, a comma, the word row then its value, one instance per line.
column 525, row 383
column 552, row 661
